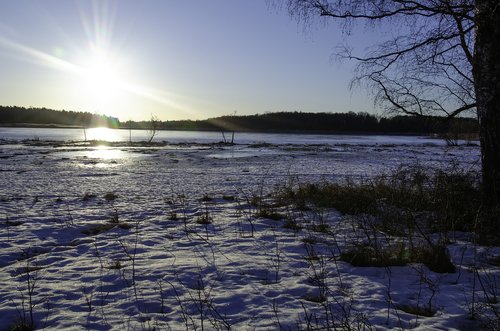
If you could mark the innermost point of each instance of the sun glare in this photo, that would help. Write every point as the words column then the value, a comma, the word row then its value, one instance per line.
column 104, row 134
column 101, row 79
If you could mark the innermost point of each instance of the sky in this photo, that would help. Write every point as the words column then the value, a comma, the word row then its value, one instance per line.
column 171, row 59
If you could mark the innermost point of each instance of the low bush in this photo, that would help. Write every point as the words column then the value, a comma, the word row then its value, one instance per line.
column 98, row 229
column 292, row 225
column 21, row 326
column 309, row 240
column 125, row 226
column 173, row 216
column 270, row 214
column 367, row 256
column 206, row 198
column 443, row 201
column 88, row 196
column 13, row 223
column 315, row 298
column 435, row 257
column 115, row 265
column 204, row 219
column 320, row 227
column 228, row 197
column 110, row 196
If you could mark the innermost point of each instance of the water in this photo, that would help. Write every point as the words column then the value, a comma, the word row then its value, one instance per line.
column 199, row 137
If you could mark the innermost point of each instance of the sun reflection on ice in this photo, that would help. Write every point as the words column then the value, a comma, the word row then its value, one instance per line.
column 102, row 134
column 103, row 157
column 105, row 153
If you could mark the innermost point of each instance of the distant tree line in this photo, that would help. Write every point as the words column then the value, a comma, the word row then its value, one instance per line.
column 18, row 116
column 269, row 122
column 327, row 123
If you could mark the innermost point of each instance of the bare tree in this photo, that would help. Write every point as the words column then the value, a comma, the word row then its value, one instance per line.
column 153, row 127
column 443, row 59
column 129, row 122
column 84, row 133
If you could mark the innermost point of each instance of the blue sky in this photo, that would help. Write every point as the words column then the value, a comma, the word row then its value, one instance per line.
column 172, row 59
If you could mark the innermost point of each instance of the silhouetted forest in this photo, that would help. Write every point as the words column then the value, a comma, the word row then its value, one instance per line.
column 269, row 122
column 326, row 123
column 20, row 116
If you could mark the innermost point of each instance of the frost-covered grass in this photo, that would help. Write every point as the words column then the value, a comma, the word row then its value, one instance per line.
column 186, row 237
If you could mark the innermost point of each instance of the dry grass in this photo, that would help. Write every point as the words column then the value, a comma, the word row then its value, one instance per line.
column 440, row 201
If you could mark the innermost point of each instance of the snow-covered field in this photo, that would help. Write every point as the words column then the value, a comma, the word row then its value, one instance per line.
column 166, row 238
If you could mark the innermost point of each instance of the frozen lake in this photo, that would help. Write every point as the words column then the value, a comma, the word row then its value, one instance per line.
column 202, row 137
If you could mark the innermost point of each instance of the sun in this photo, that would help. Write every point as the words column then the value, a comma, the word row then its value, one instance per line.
column 101, row 74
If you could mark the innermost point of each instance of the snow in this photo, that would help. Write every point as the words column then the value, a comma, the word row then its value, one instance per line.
column 158, row 266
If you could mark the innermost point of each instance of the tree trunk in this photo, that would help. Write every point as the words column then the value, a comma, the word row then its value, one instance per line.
column 487, row 87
